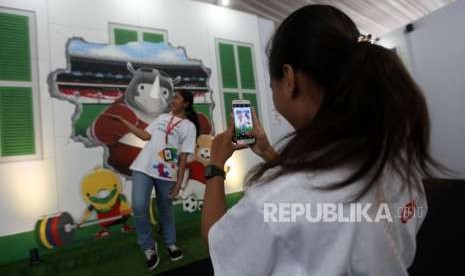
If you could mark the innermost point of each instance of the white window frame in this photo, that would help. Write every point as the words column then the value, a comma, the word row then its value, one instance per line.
column 33, row 84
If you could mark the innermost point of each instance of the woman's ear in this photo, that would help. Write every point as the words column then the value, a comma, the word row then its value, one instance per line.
column 289, row 80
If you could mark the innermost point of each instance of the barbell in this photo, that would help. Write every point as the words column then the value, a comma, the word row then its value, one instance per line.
column 59, row 229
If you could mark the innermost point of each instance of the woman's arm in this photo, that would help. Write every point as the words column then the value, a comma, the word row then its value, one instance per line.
column 142, row 134
column 214, row 203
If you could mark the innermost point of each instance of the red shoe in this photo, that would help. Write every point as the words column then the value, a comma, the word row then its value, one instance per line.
column 127, row 228
column 101, row 234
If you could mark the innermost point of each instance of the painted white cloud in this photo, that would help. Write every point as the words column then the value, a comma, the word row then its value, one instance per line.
column 108, row 52
column 168, row 56
column 160, row 53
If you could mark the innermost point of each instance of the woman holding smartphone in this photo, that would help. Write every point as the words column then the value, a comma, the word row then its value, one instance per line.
column 361, row 141
column 161, row 164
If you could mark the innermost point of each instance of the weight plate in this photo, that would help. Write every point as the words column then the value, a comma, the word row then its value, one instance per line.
column 54, row 230
column 48, row 232
column 37, row 232
column 65, row 237
column 43, row 236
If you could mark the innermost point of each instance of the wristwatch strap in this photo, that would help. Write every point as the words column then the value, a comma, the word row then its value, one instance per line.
column 212, row 171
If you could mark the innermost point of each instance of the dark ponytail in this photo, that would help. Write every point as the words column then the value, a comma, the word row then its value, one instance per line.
column 190, row 111
column 372, row 113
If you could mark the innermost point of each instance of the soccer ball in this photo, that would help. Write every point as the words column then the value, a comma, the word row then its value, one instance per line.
column 189, row 204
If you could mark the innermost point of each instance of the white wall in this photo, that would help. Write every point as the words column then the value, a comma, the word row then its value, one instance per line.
column 436, row 54
column 31, row 189
column 276, row 123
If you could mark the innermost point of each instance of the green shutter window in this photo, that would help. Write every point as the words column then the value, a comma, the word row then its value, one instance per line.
column 238, row 75
column 15, row 57
column 228, row 65
column 228, row 98
column 89, row 113
column 246, row 67
column 123, row 36
column 252, row 97
column 152, row 37
column 16, row 121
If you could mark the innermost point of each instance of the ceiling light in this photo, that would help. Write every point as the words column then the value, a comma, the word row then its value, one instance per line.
column 224, row 2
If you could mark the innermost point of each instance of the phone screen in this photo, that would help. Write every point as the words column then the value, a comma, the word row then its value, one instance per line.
column 243, row 125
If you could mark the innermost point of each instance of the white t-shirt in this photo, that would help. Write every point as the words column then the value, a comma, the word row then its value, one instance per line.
column 151, row 159
column 243, row 243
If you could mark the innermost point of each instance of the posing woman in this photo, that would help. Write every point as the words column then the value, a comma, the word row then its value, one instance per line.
column 161, row 164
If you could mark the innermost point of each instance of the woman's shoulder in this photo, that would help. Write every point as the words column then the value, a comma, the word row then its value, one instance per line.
column 164, row 116
column 160, row 118
column 287, row 187
column 188, row 125
column 304, row 187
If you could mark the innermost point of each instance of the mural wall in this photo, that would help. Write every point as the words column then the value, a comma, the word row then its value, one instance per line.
column 88, row 57
column 136, row 81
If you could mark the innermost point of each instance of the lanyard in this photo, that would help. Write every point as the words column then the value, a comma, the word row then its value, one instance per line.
column 170, row 128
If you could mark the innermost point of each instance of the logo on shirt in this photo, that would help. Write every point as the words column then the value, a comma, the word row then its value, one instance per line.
column 165, row 170
column 408, row 211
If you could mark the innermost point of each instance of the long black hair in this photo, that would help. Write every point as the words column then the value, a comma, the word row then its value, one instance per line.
column 191, row 114
column 372, row 112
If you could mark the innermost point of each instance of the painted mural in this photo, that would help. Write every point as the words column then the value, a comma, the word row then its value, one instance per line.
column 135, row 81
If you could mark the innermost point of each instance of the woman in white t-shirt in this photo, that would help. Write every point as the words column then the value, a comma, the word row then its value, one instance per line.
column 344, row 195
column 161, row 164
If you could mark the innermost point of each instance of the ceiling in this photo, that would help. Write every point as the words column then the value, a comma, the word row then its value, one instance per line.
column 376, row 17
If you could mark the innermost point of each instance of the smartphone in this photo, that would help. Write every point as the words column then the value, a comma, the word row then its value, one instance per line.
column 243, row 126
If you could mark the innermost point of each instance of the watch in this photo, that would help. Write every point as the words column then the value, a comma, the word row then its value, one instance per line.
column 212, row 171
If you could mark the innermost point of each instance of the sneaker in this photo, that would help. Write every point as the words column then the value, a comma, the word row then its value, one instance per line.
column 174, row 252
column 151, row 255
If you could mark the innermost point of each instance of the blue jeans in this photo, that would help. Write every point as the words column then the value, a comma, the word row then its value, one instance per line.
column 142, row 185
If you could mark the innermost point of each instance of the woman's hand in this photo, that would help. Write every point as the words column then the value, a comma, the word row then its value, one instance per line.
column 262, row 146
column 174, row 191
column 114, row 117
column 142, row 134
column 223, row 147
